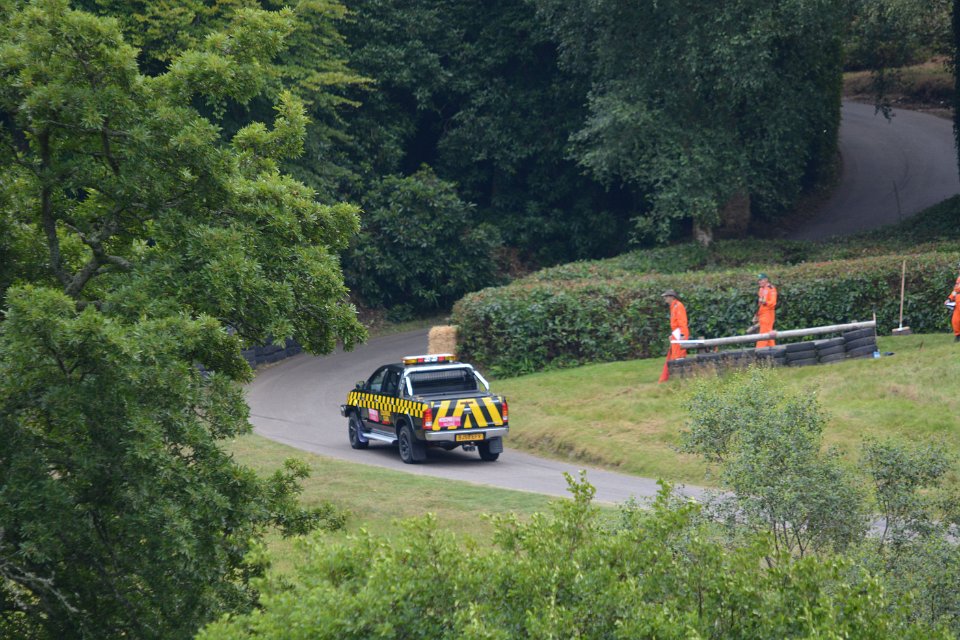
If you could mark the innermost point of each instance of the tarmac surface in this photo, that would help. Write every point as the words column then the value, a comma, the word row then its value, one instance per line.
column 892, row 169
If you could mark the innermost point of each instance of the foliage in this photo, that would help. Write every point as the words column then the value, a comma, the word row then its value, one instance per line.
column 419, row 246
column 473, row 90
column 564, row 574
column 139, row 230
column 695, row 103
column 312, row 64
column 596, row 316
column 768, row 443
column 121, row 515
column 915, row 551
column 138, row 204
column 887, row 34
column 902, row 476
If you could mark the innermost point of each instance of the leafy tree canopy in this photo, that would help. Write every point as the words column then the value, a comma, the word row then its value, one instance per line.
column 696, row 102
column 138, row 230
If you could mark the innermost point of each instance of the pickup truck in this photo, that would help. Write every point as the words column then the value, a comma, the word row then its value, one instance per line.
column 427, row 401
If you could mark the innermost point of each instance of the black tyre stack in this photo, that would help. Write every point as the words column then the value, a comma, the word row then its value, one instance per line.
column 860, row 343
column 801, row 354
column 678, row 368
column 831, row 350
column 771, row 356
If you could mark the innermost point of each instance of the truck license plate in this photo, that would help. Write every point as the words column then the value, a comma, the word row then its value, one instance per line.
column 461, row 437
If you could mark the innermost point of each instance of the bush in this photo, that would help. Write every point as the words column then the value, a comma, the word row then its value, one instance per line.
column 768, row 442
column 417, row 248
column 568, row 574
column 593, row 316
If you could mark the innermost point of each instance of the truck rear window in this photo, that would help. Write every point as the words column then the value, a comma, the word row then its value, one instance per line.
column 446, row 381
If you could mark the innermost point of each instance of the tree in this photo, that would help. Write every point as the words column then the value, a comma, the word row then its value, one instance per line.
column 146, row 243
column 768, row 443
column 312, row 65
column 419, row 249
column 474, row 91
column 696, row 103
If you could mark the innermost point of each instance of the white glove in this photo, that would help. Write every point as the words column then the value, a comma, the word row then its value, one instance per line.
column 676, row 334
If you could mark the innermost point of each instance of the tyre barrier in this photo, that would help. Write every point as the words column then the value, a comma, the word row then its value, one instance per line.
column 270, row 353
column 860, row 343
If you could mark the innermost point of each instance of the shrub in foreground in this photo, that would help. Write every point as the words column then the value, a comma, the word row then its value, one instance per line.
column 570, row 573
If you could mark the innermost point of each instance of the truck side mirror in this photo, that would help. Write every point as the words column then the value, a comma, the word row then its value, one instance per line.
column 359, row 386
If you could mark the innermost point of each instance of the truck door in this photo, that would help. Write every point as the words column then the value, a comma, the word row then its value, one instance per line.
column 374, row 386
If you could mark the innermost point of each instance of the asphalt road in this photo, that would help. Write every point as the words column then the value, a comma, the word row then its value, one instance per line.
column 297, row 401
column 892, row 169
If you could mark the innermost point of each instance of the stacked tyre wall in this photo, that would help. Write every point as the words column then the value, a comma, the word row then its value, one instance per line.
column 859, row 343
column 270, row 353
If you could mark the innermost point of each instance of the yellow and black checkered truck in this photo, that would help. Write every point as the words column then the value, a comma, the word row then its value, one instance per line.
column 427, row 401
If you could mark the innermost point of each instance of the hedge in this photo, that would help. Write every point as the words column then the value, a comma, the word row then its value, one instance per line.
column 539, row 323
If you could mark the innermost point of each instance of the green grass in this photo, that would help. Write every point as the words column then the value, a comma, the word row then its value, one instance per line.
column 377, row 499
column 617, row 417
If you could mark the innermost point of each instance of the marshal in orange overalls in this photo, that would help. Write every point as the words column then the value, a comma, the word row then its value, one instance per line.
column 678, row 330
column 955, row 318
column 766, row 311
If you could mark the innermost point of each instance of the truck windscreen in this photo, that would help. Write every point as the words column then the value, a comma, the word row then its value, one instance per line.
column 444, row 381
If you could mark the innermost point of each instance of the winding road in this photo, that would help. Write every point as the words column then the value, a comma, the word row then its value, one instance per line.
column 892, row 169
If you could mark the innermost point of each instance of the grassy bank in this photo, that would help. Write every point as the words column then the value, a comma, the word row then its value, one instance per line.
column 616, row 416
column 376, row 499
column 923, row 87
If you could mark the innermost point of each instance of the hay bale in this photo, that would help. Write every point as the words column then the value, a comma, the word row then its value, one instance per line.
column 442, row 339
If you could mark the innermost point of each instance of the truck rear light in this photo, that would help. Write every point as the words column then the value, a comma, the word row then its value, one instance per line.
column 505, row 411
column 428, row 418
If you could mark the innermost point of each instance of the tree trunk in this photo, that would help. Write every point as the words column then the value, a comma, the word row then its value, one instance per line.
column 703, row 234
column 735, row 214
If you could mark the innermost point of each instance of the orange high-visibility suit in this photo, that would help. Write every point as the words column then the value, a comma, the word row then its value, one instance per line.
column 678, row 331
column 955, row 318
column 766, row 314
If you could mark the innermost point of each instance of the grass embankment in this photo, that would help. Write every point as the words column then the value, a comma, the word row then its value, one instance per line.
column 376, row 499
column 921, row 87
column 617, row 417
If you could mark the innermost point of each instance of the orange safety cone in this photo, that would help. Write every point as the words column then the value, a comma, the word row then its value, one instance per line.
column 666, row 371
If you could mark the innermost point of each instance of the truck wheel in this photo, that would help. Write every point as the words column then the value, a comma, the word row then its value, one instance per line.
column 490, row 449
column 355, row 432
column 412, row 450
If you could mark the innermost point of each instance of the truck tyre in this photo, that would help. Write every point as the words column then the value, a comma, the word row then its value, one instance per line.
column 862, row 352
column 835, row 357
column 861, row 342
column 355, row 433
column 830, row 351
column 490, row 449
column 412, row 450
column 857, row 334
column 802, row 362
column 800, row 355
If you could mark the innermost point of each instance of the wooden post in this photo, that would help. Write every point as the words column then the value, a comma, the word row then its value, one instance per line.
column 903, row 286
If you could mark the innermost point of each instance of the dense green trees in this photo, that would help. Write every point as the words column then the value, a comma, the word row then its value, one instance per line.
column 137, row 229
column 419, row 248
column 473, row 90
column 696, row 103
